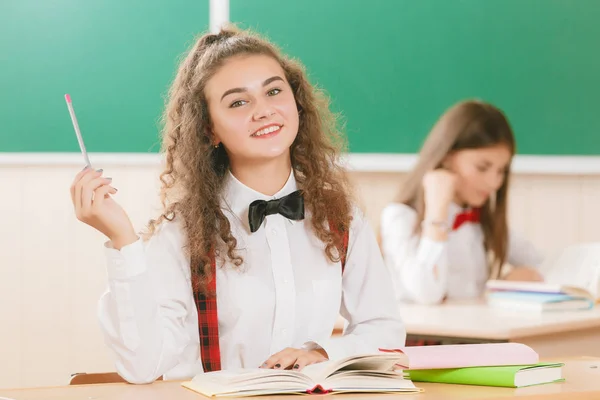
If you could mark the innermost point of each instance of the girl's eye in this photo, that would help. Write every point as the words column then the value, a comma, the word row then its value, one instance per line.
column 481, row 168
column 237, row 103
column 273, row 92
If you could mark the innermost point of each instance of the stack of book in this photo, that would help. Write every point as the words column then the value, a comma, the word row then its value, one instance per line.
column 537, row 296
column 495, row 364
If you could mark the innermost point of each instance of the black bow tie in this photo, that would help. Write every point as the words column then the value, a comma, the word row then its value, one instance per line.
column 290, row 206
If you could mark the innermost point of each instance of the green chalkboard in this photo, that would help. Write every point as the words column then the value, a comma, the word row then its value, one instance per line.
column 115, row 57
column 393, row 66
column 390, row 66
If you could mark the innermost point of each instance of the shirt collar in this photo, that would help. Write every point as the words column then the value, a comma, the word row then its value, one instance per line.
column 455, row 209
column 237, row 196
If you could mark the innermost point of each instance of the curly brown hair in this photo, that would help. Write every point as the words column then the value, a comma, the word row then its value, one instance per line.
column 193, row 177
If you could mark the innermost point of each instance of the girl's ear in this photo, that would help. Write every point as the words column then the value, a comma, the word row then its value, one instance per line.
column 213, row 138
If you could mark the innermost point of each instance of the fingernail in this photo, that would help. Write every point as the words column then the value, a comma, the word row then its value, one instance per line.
column 277, row 365
column 296, row 366
column 86, row 167
column 99, row 170
column 116, row 190
column 109, row 178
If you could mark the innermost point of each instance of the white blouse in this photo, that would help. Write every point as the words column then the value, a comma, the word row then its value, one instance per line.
column 286, row 294
column 461, row 261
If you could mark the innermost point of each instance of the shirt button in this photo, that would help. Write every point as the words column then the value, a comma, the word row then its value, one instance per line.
column 283, row 331
column 274, row 232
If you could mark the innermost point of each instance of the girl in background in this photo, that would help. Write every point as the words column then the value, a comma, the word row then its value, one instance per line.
column 446, row 233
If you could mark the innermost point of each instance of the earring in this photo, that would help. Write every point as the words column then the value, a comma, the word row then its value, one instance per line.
column 217, row 145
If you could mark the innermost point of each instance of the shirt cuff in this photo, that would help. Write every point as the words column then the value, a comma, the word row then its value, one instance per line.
column 125, row 263
column 310, row 346
column 336, row 348
column 429, row 251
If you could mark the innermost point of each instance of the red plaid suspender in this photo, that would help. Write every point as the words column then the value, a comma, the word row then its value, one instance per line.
column 208, row 323
column 208, row 320
column 345, row 240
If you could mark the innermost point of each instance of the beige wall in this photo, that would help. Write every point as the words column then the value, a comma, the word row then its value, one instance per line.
column 52, row 267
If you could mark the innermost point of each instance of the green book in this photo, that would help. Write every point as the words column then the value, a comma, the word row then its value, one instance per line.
column 504, row 376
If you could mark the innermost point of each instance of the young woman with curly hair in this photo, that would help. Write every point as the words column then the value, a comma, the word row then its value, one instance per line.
column 259, row 248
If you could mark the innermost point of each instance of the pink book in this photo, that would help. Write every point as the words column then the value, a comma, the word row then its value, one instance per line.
column 467, row 355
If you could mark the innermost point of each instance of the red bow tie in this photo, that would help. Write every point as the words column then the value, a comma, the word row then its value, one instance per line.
column 470, row 215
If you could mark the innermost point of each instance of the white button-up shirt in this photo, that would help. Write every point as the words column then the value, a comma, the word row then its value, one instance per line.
column 426, row 271
column 286, row 294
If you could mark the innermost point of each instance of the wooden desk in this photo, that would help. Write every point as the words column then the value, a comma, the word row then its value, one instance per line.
column 551, row 334
column 582, row 382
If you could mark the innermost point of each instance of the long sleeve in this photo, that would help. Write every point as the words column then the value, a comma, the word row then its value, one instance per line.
column 368, row 302
column 143, row 312
column 413, row 261
column 522, row 253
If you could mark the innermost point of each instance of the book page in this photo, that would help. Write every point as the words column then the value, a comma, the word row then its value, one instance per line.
column 577, row 265
column 249, row 381
column 368, row 362
column 353, row 381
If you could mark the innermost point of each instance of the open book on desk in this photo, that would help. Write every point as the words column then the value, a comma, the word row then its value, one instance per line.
column 575, row 266
column 571, row 282
column 362, row 373
column 573, row 271
column 380, row 372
